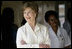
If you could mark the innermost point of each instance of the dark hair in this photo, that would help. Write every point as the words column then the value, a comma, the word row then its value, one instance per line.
column 51, row 12
column 68, row 17
column 8, row 14
column 32, row 5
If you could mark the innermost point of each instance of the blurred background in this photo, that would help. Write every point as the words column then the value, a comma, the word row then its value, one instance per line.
column 12, row 17
column 60, row 6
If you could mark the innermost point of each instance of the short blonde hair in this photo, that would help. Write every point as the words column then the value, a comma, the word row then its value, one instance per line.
column 31, row 5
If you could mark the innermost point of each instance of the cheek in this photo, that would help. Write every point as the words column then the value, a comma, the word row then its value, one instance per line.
column 50, row 23
column 30, row 14
column 33, row 15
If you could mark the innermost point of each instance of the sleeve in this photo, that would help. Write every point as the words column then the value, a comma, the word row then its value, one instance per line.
column 67, row 39
column 19, row 38
column 47, row 39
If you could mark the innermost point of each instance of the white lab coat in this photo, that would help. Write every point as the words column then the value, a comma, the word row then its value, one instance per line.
column 60, row 40
column 32, row 38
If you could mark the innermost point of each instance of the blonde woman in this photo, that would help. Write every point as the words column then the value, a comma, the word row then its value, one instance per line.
column 32, row 34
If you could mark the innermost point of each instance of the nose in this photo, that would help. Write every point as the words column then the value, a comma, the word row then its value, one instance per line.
column 27, row 14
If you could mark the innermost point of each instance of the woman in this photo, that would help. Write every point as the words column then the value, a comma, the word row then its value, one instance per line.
column 59, row 37
column 32, row 34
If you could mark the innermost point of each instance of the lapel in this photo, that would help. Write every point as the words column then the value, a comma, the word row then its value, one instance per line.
column 29, row 29
column 32, row 35
column 37, row 28
column 53, row 35
column 59, row 32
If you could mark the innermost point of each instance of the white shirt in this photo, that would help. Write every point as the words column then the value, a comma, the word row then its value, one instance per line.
column 32, row 38
column 60, row 40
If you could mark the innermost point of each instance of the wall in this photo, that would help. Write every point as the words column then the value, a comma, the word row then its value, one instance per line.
column 16, row 5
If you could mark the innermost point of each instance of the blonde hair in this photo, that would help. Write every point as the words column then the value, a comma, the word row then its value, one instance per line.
column 31, row 5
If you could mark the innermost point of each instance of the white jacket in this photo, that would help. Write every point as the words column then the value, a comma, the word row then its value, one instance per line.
column 60, row 40
column 32, row 38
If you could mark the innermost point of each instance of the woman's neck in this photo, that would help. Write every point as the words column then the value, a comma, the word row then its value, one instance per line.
column 32, row 24
column 55, row 29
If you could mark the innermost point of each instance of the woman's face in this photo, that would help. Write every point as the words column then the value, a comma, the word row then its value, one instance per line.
column 53, row 21
column 29, row 14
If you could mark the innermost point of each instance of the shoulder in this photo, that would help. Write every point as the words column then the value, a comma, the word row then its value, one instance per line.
column 41, row 26
column 21, row 29
column 62, row 29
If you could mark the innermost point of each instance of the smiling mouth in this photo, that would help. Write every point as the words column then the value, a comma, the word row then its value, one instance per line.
column 28, row 17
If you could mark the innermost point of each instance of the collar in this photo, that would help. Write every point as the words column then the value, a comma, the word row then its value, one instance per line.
column 52, row 32
column 37, row 27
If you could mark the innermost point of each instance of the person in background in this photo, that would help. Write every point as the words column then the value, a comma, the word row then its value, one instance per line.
column 32, row 34
column 8, row 28
column 67, row 23
column 58, row 36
